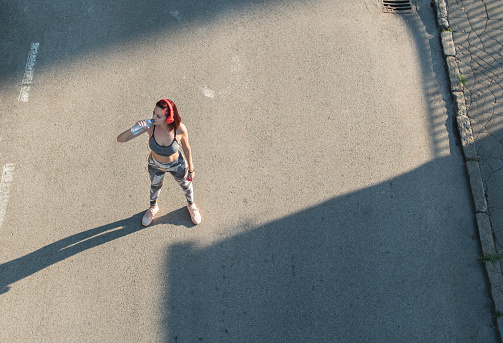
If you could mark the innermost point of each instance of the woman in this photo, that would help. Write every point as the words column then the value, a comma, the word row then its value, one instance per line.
column 166, row 134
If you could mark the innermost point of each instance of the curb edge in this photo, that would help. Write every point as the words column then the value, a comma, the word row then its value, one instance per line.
column 493, row 270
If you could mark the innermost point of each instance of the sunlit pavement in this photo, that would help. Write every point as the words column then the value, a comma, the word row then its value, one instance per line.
column 334, row 199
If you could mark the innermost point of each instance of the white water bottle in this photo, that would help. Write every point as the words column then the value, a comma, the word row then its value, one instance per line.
column 137, row 128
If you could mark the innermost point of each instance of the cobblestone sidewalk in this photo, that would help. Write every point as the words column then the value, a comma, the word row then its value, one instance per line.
column 478, row 35
column 476, row 27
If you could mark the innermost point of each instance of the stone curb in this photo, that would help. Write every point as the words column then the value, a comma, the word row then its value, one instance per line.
column 493, row 270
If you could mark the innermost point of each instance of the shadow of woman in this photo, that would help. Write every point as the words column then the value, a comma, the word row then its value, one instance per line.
column 19, row 268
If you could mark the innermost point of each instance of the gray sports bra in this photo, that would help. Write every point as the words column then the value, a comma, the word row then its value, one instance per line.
column 161, row 149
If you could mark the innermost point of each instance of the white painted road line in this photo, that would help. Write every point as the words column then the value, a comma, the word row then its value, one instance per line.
column 24, row 95
column 7, row 176
column 176, row 14
column 208, row 92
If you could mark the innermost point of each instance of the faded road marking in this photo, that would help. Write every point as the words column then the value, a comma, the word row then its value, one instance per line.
column 7, row 176
column 176, row 15
column 234, row 80
column 24, row 95
column 208, row 92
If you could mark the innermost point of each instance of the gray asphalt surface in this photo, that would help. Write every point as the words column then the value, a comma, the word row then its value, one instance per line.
column 334, row 200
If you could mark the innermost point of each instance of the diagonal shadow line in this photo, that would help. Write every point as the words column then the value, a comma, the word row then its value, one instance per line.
column 22, row 267
column 389, row 253
column 74, row 29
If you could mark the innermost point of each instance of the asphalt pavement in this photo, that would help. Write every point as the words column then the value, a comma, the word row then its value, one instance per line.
column 330, row 176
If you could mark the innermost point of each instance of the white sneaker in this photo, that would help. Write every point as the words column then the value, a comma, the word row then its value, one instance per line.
column 194, row 214
column 149, row 215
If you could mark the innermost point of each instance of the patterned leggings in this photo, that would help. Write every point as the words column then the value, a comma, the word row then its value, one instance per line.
column 179, row 171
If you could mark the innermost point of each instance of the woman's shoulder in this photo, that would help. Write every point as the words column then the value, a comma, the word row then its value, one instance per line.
column 181, row 129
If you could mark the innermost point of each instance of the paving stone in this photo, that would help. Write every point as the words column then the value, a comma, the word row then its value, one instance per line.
column 495, row 10
column 466, row 137
column 458, row 24
column 477, row 11
column 496, row 215
column 447, row 43
column 479, row 131
column 441, row 7
column 486, row 104
column 485, row 234
column 477, row 24
column 488, row 145
column 496, row 211
column 443, row 23
column 476, row 186
column 453, row 71
column 459, row 36
column 495, row 163
column 455, row 12
column 471, row 6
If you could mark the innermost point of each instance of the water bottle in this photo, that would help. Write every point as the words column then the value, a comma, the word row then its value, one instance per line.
column 137, row 128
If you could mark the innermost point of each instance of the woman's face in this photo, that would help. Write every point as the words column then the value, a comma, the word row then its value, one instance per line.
column 158, row 116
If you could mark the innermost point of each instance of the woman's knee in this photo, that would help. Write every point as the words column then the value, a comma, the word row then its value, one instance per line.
column 156, row 185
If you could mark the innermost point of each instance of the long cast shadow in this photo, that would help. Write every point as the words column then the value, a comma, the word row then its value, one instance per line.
column 19, row 268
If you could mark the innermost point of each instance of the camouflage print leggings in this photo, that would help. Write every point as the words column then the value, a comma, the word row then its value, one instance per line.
column 179, row 171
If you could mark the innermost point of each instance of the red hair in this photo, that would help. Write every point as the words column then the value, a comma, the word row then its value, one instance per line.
column 169, row 109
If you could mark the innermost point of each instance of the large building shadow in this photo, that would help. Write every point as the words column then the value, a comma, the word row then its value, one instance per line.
column 395, row 262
